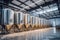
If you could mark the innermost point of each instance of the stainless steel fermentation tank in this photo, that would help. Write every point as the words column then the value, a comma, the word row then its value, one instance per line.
column 12, row 21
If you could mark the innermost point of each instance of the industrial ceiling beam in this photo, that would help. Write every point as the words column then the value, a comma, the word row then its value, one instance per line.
column 23, row 3
column 1, row 3
column 53, row 17
column 46, row 15
column 6, row 1
column 58, row 4
column 45, row 4
column 57, row 16
column 41, row 16
column 16, row 5
column 34, row 3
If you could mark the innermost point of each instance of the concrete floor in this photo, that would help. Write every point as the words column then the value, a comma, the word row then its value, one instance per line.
column 40, row 34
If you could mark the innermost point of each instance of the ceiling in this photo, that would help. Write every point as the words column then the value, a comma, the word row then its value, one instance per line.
column 25, row 4
column 43, row 8
column 49, row 11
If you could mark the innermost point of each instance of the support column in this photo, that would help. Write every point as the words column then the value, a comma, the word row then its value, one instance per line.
column 58, row 4
column 54, row 26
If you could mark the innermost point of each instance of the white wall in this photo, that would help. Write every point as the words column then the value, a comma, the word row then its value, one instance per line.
column 57, row 21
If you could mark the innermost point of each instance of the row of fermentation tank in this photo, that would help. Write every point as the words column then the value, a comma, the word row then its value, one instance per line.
column 12, row 21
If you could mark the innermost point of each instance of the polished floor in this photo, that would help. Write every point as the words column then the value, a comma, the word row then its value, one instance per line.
column 41, row 34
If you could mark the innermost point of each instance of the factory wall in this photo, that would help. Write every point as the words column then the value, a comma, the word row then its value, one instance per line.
column 55, row 21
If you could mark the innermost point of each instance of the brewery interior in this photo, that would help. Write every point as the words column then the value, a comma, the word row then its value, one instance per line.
column 27, row 15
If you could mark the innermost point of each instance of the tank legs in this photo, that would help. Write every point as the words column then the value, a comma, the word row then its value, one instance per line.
column 29, row 28
column 23, row 28
column 4, row 29
column 14, row 28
